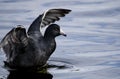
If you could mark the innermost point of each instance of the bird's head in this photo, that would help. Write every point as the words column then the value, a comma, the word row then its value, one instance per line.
column 54, row 30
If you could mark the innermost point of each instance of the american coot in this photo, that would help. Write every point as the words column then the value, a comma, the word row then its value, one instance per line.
column 31, row 49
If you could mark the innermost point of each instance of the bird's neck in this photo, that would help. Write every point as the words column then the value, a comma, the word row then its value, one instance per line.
column 49, row 36
column 51, row 44
column 49, row 40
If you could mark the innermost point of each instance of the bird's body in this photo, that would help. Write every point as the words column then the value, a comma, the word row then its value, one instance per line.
column 31, row 49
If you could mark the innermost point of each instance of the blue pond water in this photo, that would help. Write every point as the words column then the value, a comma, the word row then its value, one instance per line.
column 92, row 48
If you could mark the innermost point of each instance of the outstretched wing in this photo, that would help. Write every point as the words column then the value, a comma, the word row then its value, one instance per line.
column 53, row 15
column 48, row 17
column 14, row 39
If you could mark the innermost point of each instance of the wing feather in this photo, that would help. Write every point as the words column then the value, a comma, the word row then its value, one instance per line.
column 13, row 38
column 52, row 15
column 48, row 17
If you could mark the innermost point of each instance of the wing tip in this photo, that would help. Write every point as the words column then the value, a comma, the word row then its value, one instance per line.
column 66, row 11
column 56, row 13
column 60, row 9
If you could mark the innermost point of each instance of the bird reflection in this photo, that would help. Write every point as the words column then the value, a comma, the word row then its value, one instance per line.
column 28, row 75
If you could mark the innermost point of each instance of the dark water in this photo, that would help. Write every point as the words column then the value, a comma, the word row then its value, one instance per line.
column 92, row 48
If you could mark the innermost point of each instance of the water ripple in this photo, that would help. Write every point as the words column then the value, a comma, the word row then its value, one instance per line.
column 92, row 47
column 13, row 11
column 12, row 1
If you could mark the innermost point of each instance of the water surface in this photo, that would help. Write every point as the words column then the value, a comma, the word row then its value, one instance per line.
column 92, row 48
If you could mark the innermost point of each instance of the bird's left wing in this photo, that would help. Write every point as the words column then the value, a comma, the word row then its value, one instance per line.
column 13, row 38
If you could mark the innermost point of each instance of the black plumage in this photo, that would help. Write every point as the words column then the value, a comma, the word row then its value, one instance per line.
column 31, row 49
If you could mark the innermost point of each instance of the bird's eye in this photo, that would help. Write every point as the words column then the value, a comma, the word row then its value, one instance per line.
column 56, row 29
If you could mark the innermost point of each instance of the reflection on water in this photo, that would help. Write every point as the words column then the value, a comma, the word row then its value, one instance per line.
column 37, row 73
column 28, row 75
